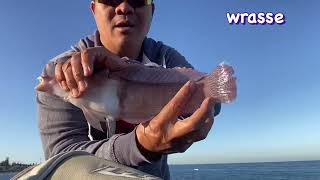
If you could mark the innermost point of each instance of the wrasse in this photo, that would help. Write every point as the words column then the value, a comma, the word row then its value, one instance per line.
column 135, row 93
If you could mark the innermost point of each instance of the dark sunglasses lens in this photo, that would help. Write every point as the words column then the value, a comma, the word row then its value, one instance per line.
column 108, row 2
column 133, row 3
column 137, row 3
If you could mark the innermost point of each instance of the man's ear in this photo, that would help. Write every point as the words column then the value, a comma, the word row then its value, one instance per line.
column 92, row 7
column 153, row 8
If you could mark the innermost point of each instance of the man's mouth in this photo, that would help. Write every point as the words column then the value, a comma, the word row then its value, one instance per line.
column 124, row 25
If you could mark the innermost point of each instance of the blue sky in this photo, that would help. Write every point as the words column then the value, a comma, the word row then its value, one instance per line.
column 275, row 117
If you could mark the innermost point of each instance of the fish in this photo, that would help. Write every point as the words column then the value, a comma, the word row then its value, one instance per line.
column 135, row 92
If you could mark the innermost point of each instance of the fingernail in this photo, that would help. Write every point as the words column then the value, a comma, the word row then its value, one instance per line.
column 87, row 71
column 188, row 83
column 191, row 85
column 82, row 85
column 75, row 92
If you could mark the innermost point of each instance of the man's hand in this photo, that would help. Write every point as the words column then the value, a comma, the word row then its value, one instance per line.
column 164, row 134
column 72, row 75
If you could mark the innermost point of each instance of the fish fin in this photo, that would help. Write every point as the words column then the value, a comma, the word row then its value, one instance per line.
column 99, row 120
column 192, row 74
column 221, row 84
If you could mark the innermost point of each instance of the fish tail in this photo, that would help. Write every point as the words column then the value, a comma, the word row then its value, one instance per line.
column 221, row 84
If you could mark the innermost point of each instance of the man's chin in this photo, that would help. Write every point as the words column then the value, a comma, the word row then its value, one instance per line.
column 124, row 31
column 126, row 39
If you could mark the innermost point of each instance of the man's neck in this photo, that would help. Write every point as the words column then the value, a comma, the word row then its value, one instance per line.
column 132, row 51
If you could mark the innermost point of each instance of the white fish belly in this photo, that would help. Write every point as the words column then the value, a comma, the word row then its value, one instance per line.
column 103, row 99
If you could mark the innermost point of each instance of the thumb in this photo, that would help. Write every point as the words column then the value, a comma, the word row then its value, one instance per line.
column 106, row 59
column 176, row 105
column 98, row 58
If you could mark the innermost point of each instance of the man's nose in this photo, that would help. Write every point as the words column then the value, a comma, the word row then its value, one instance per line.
column 124, row 8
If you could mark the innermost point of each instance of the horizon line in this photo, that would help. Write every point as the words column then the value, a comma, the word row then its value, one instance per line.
column 253, row 162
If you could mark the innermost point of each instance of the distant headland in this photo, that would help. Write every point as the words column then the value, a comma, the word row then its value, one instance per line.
column 5, row 166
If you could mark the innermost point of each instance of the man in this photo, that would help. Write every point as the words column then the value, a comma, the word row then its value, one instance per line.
column 122, row 28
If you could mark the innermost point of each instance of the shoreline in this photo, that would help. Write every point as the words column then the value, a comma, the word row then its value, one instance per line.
column 13, row 169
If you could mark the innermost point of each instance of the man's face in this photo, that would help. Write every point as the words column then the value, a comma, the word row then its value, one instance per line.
column 122, row 25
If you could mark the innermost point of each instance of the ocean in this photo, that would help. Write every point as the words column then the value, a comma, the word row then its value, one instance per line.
column 302, row 170
column 5, row 176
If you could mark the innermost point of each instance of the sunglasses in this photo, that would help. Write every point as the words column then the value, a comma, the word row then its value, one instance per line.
column 133, row 3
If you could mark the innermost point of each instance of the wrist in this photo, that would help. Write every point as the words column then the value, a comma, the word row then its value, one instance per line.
column 142, row 146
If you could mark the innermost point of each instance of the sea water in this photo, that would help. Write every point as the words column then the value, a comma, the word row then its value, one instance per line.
column 302, row 170
column 5, row 176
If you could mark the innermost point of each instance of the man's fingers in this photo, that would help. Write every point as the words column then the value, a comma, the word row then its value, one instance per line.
column 190, row 134
column 60, row 77
column 64, row 85
column 174, row 108
column 203, row 132
column 87, row 61
column 58, row 72
column 71, row 83
column 208, row 125
column 77, row 67
column 114, row 63
column 77, row 71
column 201, row 114
column 197, row 120
column 179, row 148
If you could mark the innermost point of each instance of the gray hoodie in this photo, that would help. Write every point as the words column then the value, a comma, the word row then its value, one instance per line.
column 63, row 127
